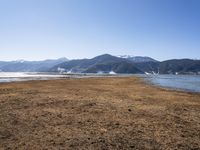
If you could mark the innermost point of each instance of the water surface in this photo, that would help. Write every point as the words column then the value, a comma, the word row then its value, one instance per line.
column 183, row 82
column 25, row 76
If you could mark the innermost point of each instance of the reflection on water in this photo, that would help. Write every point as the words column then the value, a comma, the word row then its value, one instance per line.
column 25, row 76
column 184, row 82
column 22, row 76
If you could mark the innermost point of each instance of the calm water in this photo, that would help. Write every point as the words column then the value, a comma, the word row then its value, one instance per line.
column 22, row 76
column 183, row 82
column 25, row 76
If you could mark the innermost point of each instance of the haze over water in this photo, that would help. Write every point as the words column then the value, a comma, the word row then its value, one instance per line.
column 23, row 76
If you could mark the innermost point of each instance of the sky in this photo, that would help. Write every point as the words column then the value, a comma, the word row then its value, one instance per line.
column 43, row 29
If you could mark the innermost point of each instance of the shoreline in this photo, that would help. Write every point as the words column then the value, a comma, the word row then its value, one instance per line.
column 170, row 88
column 82, row 76
column 182, row 89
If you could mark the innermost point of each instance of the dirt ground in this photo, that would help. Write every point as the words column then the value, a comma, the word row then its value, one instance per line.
column 97, row 113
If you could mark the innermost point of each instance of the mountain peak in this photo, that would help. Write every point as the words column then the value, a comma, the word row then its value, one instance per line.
column 20, row 61
column 105, row 55
column 125, row 56
column 63, row 59
column 137, row 59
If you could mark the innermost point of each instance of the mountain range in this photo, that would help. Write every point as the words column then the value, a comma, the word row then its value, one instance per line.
column 106, row 64
column 30, row 66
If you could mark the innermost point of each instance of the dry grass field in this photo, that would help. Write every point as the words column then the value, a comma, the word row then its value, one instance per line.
column 97, row 113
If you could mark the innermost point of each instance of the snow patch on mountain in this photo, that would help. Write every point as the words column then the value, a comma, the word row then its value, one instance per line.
column 137, row 59
column 125, row 56
column 112, row 72
column 20, row 61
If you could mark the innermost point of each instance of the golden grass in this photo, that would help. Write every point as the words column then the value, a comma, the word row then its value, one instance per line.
column 97, row 113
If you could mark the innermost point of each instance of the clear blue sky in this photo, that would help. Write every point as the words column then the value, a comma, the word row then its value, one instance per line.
column 40, row 29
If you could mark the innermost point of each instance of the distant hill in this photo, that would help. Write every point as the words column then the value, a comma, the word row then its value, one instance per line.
column 148, row 67
column 129, row 64
column 29, row 66
column 137, row 59
column 104, row 63
column 180, row 66
column 175, row 66
column 117, row 67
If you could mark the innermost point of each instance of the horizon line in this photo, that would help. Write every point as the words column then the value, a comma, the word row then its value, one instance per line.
column 64, row 57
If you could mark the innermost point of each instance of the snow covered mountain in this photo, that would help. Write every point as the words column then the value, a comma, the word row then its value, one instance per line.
column 30, row 66
column 100, row 64
column 105, row 64
column 137, row 59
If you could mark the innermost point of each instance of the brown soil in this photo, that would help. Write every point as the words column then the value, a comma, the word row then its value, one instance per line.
column 97, row 113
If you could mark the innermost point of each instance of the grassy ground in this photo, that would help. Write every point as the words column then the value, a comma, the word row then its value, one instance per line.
column 97, row 113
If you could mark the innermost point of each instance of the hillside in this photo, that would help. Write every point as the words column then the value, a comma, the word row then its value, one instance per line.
column 117, row 67
column 103, row 63
column 138, row 59
column 130, row 64
column 29, row 66
column 148, row 67
column 180, row 66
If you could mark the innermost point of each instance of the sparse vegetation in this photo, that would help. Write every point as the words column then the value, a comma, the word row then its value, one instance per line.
column 97, row 113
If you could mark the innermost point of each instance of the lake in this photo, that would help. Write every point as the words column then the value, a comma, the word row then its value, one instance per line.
column 183, row 82
column 25, row 76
